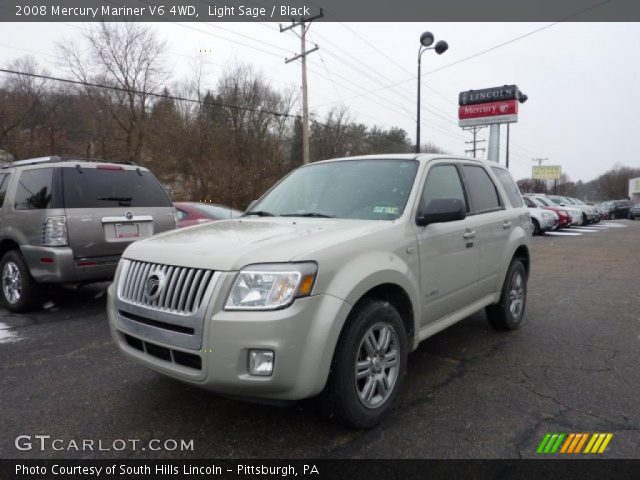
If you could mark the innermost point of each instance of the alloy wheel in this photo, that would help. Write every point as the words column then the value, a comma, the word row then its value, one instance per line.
column 11, row 282
column 516, row 295
column 377, row 365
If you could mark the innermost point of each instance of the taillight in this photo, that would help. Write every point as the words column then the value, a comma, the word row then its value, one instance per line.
column 54, row 232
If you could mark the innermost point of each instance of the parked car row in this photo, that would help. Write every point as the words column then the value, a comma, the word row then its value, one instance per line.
column 550, row 212
column 620, row 209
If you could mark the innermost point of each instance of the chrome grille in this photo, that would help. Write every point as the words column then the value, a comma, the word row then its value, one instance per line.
column 183, row 292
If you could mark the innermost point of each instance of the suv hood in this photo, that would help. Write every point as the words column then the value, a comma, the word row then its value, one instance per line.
column 232, row 244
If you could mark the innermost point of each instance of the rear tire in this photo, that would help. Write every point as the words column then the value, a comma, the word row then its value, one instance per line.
column 19, row 291
column 585, row 220
column 508, row 313
column 368, row 366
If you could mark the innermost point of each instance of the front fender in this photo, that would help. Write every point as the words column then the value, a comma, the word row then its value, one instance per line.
column 372, row 269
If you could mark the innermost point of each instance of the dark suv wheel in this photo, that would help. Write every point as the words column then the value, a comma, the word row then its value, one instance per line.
column 368, row 365
column 508, row 313
column 20, row 292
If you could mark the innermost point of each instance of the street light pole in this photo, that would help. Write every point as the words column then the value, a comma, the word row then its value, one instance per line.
column 418, row 112
column 426, row 40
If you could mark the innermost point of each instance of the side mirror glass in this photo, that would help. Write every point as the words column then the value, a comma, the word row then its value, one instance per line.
column 442, row 210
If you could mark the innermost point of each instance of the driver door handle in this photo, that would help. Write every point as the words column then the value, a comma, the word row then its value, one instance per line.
column 469, row 234
column 506, row 224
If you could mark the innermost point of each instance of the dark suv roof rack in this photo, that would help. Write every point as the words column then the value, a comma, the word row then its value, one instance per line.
column 57, row 159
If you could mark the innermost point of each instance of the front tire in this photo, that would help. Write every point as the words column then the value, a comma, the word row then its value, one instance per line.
column 368, row 365
column 508, row 313
column 19, row 292
column 535, row 227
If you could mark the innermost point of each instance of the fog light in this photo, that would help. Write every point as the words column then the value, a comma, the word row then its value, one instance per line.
column 261, row 362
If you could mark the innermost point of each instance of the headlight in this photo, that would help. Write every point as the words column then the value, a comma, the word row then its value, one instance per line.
column 271, row 286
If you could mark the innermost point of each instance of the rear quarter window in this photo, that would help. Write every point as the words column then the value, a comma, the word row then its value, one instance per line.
column 105, row 188
column 510, row 187
column 34, row 191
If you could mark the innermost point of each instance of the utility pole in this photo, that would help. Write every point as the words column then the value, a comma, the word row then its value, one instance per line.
column 474, row 130
column 304, row 24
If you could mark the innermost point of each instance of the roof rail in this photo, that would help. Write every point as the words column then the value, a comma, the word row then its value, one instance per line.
column 56, row 159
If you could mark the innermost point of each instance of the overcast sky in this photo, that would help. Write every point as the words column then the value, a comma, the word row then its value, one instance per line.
column 582, row 79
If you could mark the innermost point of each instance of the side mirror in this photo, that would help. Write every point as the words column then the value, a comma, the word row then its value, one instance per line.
column 442, row 210
column 251, row 204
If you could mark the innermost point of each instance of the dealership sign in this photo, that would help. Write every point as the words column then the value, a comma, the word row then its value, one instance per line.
column 488, row 95
column 546, row 172
column 488, row 113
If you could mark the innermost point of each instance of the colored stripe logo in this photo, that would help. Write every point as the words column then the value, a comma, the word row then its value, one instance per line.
column 573, row 443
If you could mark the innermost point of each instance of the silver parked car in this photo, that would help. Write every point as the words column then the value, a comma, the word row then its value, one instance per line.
column 327, row 283
column 66, row 220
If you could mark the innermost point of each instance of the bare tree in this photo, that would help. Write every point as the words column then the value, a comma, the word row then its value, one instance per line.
column 128, row 56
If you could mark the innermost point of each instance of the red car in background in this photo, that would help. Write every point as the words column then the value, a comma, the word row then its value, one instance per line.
column 194, row 213
column 564, row 219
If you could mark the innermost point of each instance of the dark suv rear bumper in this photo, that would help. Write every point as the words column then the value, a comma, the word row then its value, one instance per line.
column 57, row 265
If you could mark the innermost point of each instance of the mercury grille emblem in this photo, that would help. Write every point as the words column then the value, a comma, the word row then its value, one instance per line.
column 128, row 215
column 154, row 285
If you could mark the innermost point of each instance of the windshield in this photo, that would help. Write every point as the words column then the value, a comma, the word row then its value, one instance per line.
column 543, row 202
column 356, row 189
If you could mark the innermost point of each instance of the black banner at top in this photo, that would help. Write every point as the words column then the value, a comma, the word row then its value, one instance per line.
column 334, row 10
column 487, row 95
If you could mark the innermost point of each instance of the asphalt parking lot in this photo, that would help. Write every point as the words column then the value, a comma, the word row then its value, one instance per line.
column 470, row 392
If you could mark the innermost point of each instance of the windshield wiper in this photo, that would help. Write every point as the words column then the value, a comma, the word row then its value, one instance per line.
column 116, row 199
column 259, row 213
column 308, row 214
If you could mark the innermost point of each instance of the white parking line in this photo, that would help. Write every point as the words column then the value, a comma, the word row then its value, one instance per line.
column 616, row 225
column 585, row 229
column 563, row 233
column 6, row 335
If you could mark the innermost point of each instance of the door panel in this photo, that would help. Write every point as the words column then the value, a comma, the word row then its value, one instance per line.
column 448, row 268
column 448, row 256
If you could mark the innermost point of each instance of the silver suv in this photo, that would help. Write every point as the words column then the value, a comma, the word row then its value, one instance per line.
column 65, row 220
column 329, row 281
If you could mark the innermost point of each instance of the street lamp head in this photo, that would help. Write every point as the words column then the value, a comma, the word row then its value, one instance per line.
column 426, row 39
column 441, row 47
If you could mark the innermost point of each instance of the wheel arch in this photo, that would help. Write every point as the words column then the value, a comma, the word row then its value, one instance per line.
column 397, row 297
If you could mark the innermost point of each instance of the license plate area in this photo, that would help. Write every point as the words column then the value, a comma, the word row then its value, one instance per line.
column 127, row 230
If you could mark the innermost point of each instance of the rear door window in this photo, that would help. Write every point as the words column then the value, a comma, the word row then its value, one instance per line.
column 105, row 188
column 482, row 192
column 513, row 192
column 34, row 190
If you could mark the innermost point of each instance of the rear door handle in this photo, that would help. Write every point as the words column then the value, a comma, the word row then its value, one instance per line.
column 469, row 234
column 506, row 224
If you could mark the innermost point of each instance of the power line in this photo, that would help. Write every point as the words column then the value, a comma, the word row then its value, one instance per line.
column 149, row 94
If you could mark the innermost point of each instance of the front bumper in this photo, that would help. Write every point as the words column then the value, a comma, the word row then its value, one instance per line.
column 549, row 224
column 302, row 336
column 58, row 265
